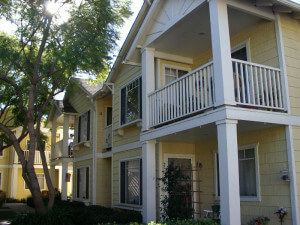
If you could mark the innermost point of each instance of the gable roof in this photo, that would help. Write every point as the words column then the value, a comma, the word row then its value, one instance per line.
column 87, row 86
column 65, row 106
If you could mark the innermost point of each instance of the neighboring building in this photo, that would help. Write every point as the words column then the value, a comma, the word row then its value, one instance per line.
column 11, row 180
column 214, row 83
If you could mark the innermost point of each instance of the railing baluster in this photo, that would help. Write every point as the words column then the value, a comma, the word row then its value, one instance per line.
column 237, row 79
column 257, row 87
column 247, row 84
column 201, row 89
column 205, row 87
column 242, row 83
column 262, row 86
column 266, row 87
column 274, row 89
column 190, row 93
column 279, row 89
column 209, row 86
column 270, row 88
column 198, row 93
column 252, row 88
column 194, row 91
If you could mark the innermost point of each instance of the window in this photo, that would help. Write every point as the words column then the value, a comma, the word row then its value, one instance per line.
column 108, row 116
column 131, row 182
column 41, row 181
column 131, row 101
column 172, row 73
column 84, row 127
column 83, row 183
column 248, row 174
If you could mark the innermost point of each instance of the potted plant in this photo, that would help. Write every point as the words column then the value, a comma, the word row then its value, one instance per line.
column 281, row 212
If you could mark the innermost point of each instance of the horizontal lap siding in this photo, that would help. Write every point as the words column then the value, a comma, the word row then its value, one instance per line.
column 291, row 42
column 296, row 137
column 131, row 134
column 116, row 169
column 263, row 47
column 103, row 191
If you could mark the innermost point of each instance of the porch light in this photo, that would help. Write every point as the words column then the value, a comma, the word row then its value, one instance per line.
column 284, row 174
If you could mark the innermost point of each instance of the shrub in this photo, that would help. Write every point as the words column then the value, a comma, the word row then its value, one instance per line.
column 177, row 222
column 1, row 202
column 13, row 200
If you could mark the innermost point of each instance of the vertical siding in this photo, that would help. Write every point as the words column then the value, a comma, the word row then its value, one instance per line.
column 291, row 41
column 131, row 134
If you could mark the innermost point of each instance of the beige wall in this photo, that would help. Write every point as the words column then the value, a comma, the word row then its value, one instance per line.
column 131, row 134
column 272, row 158
column 291, row 42
column 117, row 157
column 103, row 191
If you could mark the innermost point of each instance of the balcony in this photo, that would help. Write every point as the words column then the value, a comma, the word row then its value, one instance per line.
column 37, row 157
column 255, row 86
column 57, row 151
column 107, row 137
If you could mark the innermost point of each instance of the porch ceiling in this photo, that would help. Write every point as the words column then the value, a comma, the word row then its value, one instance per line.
column 210, row 132
column 192, row 35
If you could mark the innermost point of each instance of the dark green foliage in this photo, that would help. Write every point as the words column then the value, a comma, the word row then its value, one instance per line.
column 176, row 222
column 76, row 213
column 30, row 203
column 13, row 200
column 176, row 203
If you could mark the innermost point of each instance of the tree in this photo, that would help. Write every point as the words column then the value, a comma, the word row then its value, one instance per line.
column 53, row 41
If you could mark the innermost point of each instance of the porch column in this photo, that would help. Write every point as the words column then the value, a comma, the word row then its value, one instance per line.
column 63, row 181
column 65, row 136
column 52, row 174
column 292, row 174
column 223, row 73
column 149, row 180
column 229, row 172
column 53, row 137
column 148, row 84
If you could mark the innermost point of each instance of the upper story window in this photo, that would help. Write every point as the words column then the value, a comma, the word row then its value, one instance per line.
column 131, row 101
column 108, row 116
column 172, row 73
column 84, row 127
column 131, row 182
column 248, row 174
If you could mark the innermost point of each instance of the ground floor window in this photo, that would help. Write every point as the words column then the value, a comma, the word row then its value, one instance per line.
column 83, row 183
column 131, row 182
column 248, row 173
column 41, row 181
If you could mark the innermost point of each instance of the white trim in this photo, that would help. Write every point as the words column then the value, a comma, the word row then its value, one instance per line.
column 243, row 44
column 132, row 145
column 6, row 166
column 140, row 171
column 75, row 196
column 164, row 65
column 120, row 108
column 82, row 158
column 292, row 174
column 174, row 58
column 282, row 64
column 103, row 155
column 242, row 198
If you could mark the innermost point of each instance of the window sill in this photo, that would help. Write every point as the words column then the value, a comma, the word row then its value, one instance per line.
column 244, row 199
column 120, row 129
column 83, row 143
column 129, row 207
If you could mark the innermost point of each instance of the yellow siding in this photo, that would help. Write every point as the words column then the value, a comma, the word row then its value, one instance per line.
column 272, row 158
column 84, row 163
column 5, row 180
column 103, row 191
column 131, row 134
column 101, row 119
column 291, row 42
column 116, row 169
column 263, row 47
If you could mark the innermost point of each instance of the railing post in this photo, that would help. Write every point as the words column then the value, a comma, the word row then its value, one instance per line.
column 222, row 65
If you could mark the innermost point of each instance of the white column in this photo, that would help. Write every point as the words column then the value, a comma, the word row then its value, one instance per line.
column 292, row 174
column 223, row 74
column 229, row 172
column 14, row 181
column 63, row 181
column 65, row 136
column 148, row 83
column 53, row 136
column 149, row 180
column 52, row 174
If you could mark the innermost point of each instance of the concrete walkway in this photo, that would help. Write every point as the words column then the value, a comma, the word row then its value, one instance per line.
column 15, row 207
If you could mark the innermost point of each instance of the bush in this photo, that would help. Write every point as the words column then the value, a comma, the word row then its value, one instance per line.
column 177, row 222
column 13, row 200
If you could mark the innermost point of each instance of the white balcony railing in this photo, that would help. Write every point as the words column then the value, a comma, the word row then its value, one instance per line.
column 37, row 156
column 107, row 137
column 257, row 85
column 187, row 95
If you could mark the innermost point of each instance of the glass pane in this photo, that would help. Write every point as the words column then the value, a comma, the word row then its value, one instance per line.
column 133, row 182
column 132, row 112
column 108, row 116
column 249, row 153
column 182, row 73
column 40, row 178
column 241, row 154
column 247, row 177
column 240, row 54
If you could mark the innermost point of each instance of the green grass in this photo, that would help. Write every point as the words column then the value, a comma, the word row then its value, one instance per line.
column 7, row 215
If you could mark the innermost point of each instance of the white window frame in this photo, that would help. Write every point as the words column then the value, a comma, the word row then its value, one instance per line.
column 164, row 65
column 83, row 199
column 242, row 198
column 42, row 189
column 120, row 100
column 81, row 141
column 141, row 170
column 241, row 45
